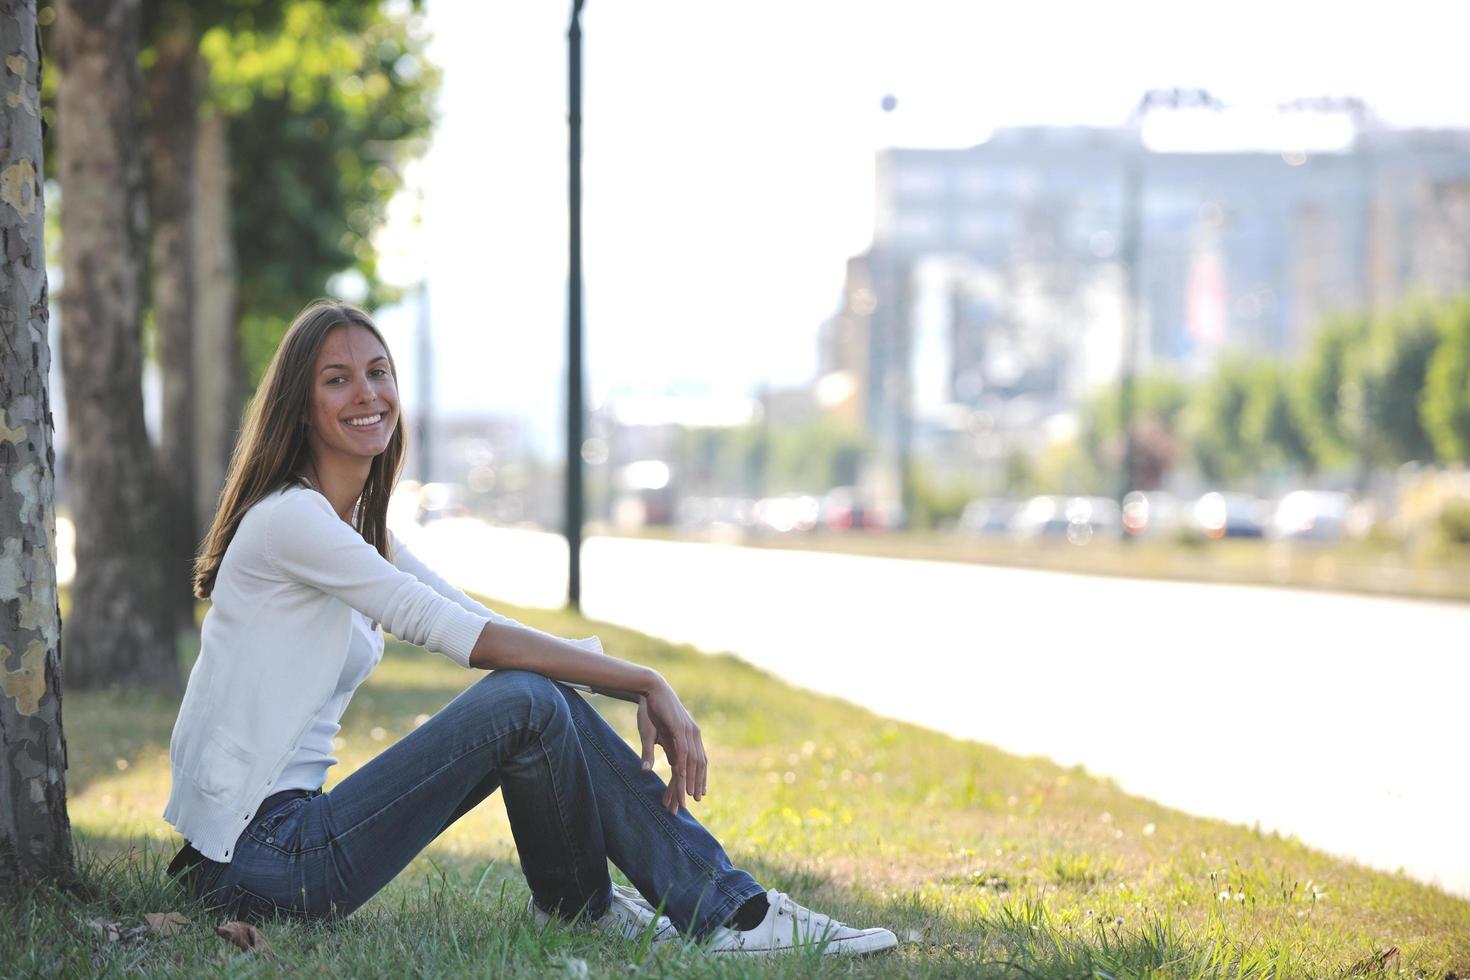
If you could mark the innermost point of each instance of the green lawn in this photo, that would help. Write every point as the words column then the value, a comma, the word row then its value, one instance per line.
column 985, row 864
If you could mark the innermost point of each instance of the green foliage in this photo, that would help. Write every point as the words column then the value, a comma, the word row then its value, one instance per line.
column 815, row 456
column 1454, row 522
column 1066, row 467
column 811, row 457
column 1158, row 405
column 324, row 112
column 1445, row 403
column 1270, row 422
column 1217, row 421
column 1018, row 478
column 936, row 504
column 1328, row 396
column 1392, row 376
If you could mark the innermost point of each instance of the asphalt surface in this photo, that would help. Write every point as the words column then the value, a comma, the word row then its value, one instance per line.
column 1340, row 719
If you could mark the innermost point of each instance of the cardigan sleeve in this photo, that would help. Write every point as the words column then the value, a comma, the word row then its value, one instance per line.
column 307, row 542
column 407, row 561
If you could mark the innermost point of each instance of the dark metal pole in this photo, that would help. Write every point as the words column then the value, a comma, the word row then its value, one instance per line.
column 574, row 311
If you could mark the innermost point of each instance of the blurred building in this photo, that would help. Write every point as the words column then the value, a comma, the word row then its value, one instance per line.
column 1013, row 248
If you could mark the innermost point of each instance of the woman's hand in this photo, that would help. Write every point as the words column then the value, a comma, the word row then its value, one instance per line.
column 663, row 720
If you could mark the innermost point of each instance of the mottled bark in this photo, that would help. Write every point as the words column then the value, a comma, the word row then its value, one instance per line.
column 173, row 102
column 35, row 834
column 121, row 627
column 219, row 366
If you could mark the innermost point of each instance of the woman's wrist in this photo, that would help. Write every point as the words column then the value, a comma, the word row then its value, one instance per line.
column 649, row 681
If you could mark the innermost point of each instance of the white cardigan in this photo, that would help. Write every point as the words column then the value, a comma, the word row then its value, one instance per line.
column 274, row 642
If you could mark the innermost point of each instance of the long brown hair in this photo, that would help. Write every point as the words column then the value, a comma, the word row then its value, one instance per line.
column 272, row 449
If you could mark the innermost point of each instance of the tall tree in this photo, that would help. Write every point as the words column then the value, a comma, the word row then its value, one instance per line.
column 121, row 626
column 1393, row 374
column 172, row 87
column 35, row 834
column 219, row 367
column 1445, row 404
column 1328, row 396
column 1271, row 425
column 1216, row 422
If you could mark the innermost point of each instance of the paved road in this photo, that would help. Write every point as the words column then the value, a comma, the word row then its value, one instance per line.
column 1337, row 718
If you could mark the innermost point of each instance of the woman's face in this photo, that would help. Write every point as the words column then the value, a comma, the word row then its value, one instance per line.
column 354, row 397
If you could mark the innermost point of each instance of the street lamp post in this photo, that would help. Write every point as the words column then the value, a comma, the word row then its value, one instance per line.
column 573, row 477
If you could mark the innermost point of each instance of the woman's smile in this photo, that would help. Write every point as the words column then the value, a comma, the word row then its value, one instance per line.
column 365, row 421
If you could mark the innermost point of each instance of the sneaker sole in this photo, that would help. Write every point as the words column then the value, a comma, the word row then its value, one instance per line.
column 856, row 946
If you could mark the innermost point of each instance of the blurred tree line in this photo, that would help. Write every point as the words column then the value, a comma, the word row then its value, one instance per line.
column 1369, row 392
column 217, row 161
column 763, row 460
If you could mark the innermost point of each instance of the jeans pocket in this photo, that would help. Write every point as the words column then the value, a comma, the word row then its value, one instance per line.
column 272, row 829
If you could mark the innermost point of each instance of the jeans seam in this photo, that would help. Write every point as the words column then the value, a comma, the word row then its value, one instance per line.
column 568, row 838
column 659, row 815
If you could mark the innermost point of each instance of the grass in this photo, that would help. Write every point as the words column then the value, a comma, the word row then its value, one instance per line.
column 985, row 864
column 1363, row 567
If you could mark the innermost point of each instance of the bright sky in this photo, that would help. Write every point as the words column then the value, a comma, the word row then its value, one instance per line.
column 728, row 157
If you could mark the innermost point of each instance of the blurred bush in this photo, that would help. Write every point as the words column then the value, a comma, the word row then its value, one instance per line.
column 1453, row 523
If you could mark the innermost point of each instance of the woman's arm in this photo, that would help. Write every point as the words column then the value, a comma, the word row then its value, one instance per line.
column 662, row 717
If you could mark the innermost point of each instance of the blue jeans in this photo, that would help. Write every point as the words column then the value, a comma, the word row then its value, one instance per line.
column 574, row 790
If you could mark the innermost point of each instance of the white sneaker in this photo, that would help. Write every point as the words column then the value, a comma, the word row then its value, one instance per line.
column 628, row 915
column 789, row 928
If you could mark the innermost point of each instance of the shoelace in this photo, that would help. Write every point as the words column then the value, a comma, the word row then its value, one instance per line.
column 805, row 917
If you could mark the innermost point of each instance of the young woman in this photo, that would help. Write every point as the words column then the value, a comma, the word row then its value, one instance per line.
column 303, row 574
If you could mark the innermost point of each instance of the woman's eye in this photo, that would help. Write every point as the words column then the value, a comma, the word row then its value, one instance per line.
column 379, row 372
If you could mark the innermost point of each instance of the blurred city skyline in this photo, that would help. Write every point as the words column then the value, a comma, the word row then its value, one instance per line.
column 729, row 167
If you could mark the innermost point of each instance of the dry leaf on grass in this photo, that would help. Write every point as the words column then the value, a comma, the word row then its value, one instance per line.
column 244, row 935
column 165, row 923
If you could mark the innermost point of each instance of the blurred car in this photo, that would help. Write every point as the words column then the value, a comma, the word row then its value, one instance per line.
column 1311, row 515
column 849, row 509
column 1230, row 515
column 1151, row 514
column 714, row 512
column 786, row 514
column 988, row 518
column 1077, row 519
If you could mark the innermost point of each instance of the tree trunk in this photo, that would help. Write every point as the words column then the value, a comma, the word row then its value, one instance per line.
column 35, row 834
column 173, row 124
column 121, row 627
column 219, row 366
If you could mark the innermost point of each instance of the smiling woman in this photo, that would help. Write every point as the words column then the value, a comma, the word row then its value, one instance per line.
column 301, row 570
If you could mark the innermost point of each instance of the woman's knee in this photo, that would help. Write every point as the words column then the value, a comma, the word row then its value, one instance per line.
column 524, row 694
